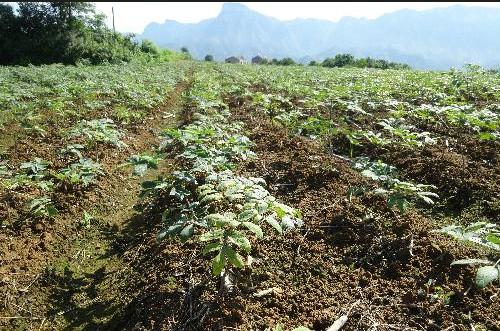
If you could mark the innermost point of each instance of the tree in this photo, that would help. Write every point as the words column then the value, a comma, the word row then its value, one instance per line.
column 66, row 32
column 313, row 63
column 209, row 58
column 286, row 61
column 8, row 34
column 147, row 46
column 340, row 60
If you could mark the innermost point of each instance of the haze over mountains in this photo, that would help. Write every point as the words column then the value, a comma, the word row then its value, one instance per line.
column 431, row 39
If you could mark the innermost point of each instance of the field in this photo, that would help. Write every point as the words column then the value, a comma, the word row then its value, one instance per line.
column 205, row 196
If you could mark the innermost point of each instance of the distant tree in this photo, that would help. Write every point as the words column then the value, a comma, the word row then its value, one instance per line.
column 340, row 60
column 274, row 61
column 147, row 46
column 286, row 61
column 186, row 53
column 264, row 61
column 313, row 63
column 209, row 58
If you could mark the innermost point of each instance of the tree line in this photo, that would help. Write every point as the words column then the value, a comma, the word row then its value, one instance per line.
column 347, row 60
column 66, row 32
column 339, row 61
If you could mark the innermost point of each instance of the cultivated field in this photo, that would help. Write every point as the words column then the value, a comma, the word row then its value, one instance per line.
column 203, row 196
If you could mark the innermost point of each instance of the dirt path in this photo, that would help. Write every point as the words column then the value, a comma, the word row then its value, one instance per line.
column 65, row 276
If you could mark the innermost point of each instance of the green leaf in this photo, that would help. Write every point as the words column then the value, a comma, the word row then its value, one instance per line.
column 211, row 235
column 470, row 261
column 247, row 215
column 399, row 201
column 427, row 199
column 240, row 240
column 187, row 232
column 493, row 239
column 220, row 220
column 218, row 262
column 234, row 257
column 140, row 169
column 254, row 228
column 271, row 220
column 485, row 275
column 211, row 247
column 212, row 197
column 51, row 211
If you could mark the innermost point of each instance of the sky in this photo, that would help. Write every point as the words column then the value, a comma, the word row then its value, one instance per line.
column 134, row 16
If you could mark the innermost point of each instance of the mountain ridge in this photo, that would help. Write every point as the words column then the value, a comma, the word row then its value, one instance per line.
column 437, row 38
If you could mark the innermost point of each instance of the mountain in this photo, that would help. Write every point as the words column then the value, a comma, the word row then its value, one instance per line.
column 431, row 39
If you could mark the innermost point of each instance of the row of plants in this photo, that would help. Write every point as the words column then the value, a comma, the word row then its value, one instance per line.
column 206, row 200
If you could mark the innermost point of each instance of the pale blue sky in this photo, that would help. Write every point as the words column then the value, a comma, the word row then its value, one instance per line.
column 134, row 16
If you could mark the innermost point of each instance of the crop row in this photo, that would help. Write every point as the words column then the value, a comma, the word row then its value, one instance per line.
column 206, row 200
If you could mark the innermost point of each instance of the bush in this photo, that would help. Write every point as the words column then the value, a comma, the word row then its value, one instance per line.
column 209, row 58
column 147, row 46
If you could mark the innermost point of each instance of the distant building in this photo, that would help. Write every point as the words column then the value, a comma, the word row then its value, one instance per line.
column 258, row 59
column 234, row 59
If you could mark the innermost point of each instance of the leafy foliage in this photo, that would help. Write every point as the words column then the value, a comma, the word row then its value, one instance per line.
column 483, row 234
column 42, row 207
column 65, row 32
column 399, row 192
column 142, row 162
column 101, row 130
column 84, row 173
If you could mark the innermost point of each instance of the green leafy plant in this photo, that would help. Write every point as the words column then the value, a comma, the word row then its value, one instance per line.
column 36, row 169
column 399, row 192
column 142, row 162
column 98, row 131
column 74, row 149
column 85, row 172
column 86, row 220
column 42, row 207
column 483, row 234
column 206, row 200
